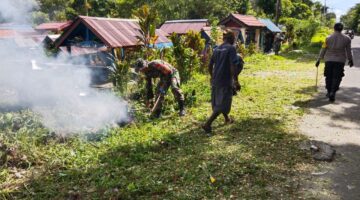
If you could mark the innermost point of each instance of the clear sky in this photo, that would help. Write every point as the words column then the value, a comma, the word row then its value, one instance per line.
column 340, row 7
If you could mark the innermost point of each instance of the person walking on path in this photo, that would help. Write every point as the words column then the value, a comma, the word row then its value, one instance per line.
column 221, row 69
column 169, row 77
column 335, row 51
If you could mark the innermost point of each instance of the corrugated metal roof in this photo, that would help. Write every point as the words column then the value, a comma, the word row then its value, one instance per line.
column 113, row 32
column 54, row 26
column 270, row 25
column 22, row 35
column 184, row 26
column 247, row 20
column 162, row 36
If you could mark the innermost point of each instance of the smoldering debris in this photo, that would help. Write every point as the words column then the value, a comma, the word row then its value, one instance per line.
column 58, row 89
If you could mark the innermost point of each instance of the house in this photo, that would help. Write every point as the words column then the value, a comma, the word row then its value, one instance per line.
column 54, row 27
column 268, row 34
column 248, row 28
column 181, row 27
column 22, row 36
column 109, row 33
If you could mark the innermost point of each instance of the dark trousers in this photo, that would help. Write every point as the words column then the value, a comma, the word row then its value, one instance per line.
column 334, row 72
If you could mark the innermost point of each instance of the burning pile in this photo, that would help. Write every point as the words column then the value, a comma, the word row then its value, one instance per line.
column 55, row 88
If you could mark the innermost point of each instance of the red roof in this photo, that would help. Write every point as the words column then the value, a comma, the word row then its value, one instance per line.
column 7, row 33
column 22, row 35
column 247, row 20
column 112, row 32
column 162, row 36
column 184, row 26
column 54, row 26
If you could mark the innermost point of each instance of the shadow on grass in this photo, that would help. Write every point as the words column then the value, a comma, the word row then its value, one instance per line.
column 253, row 159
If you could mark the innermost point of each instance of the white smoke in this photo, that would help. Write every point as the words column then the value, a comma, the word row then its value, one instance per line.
column 55, row 88
column 17, row 10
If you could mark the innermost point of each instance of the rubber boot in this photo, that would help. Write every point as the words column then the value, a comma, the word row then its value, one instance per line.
column 182, row 108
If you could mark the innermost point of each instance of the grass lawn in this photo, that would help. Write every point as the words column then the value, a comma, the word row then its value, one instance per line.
column 257, row 157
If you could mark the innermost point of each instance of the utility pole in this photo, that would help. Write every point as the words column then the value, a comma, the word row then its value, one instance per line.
column 278, row 12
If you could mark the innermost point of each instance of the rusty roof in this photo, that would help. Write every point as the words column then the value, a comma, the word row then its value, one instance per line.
column 54, row 26
column 113, row 32
column 247, row 20
column 183, row 26
column 22, row 35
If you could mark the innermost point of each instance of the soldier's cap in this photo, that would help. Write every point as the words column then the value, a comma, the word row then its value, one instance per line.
column 139, row 63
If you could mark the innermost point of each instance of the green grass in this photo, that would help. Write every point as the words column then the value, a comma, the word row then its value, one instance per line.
column 257, row 157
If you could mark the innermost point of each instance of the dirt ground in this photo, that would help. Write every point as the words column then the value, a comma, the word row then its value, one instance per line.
column 337, row 124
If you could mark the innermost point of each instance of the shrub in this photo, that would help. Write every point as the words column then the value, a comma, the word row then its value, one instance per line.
column 120, row 75
column 187, row 60
column 320, row 36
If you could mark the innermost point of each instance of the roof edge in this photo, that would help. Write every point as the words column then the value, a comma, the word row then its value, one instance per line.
column 186, row 21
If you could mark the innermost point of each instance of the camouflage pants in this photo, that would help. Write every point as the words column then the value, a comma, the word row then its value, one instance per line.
column 173, row 82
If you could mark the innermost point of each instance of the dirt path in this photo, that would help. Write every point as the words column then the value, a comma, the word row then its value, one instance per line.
column 339, row 125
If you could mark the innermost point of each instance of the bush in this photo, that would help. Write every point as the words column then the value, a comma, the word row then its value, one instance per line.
column 187, row 60
column 320, row 36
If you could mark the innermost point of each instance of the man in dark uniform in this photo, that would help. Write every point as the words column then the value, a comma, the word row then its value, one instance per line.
column 169, row 77
column 221, row 69
column 335, row 51
column 277, row 43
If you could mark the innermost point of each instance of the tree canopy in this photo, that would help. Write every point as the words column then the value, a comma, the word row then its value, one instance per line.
column 178, row 9
column 352, row 18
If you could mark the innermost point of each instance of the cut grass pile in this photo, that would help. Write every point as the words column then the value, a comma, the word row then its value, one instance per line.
column 257, row 157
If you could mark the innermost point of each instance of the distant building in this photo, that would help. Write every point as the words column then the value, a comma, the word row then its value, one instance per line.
column 181, row 27
column 247, row 27
column 268, row 34
column 105, row 33
column 54, row 27
column 23, row 36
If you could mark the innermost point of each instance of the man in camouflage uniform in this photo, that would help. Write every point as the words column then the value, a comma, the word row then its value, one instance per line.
column 169, row 77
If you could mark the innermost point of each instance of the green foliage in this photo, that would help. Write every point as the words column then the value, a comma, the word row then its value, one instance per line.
column 300, row 32
column 39, row 18
column 187, row 59
column 215, row 34
column 251, row 49
column 241, row 49
column 352, row 18
column 320, row 36
column 194, row 41
column 306, row 29
column 170, row 158
column 120, row 74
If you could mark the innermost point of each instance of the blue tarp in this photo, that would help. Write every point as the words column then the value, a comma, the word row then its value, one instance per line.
column 162, row 45
column 270, row 25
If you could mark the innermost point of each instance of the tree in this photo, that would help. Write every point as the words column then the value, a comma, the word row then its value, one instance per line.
column 148, row 18
column 352, row 18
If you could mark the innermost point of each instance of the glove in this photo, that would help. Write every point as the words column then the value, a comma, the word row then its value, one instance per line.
column 161, row 91
column 351, row 63
column 317, row 63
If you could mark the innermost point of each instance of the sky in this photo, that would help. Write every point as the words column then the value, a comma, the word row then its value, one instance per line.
column 340, row 7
